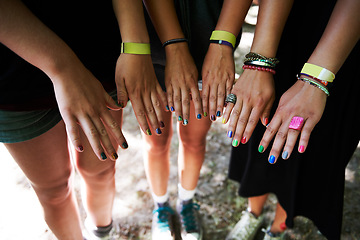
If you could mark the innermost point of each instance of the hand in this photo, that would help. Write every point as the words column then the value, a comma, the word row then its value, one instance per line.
column 255, row 93
column 136, row 80
column 82, row 100
column 181, row 80
column 302, row 100
column 218, row 77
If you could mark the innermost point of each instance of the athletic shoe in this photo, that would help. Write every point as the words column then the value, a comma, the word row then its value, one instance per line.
column 162, row 222
column 190, row 220
column 246, row 228
column 91, row 232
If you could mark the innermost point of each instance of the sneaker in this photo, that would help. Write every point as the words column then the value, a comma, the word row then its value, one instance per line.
column 162, row 224
column 190, row 220
column 91, row 232
column 246, row 228
column 272, row 236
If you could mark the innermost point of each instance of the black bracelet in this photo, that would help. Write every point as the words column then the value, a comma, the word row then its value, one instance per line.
column 176, row 40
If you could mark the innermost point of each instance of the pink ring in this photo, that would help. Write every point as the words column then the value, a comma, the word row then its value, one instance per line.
column 296, row 123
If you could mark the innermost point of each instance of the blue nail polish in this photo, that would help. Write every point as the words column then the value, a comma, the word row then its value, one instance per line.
column 180, row 118
column 218, row 113
column 229, row 134
column 172, row 109
column 103, row 156
column 272, row 159
column 198, row 116
column 285, row 155
column 167, row 107
column 158, row 131
column 185, row 122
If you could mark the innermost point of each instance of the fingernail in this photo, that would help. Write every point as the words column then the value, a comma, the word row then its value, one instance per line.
column 225, row 104
column 80, row 148
column 167, row 107
column 229, row 134
column 301, row 149
column 172, row 109
column 198, row 116
column 180, row 118
column 261, row 149
column 103, row 156
column 235, row 142
column 124, row 145
column 285, row 155
column 218, row 113
column 243, row 140
column 114, row 155
column 272, row 159
column 205, row 114
column 120, row 104
column 148, row 132
column 185, row 122
column 162, row 124
column 223, row 121
column 158, row 131
column 266, row 121
column 212, row 118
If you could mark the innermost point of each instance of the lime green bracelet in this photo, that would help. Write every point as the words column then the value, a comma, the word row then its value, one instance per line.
column 135, row 48
column 318, row 72
column 224, row 35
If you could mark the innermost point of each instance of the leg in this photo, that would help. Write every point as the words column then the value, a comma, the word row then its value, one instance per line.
column 256, row 204
column 46, row 163
column 279, row 220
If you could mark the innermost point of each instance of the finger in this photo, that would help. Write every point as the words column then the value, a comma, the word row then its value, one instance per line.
column 205, row 99
column 72, row 129
column 251, row 124
column 265, row 116
column 228, row 108
column 196, row 98
column 158, row 113
column 240, row 127
column 140, row 115
column 170, row 98
column 279, row 142
column 270, row 132
column 213, row 102
column 305, row 134
column 178, row 105
column 234, row 117
column 114, row 129
column 290, row 143
column 220, row 100
column 122, row 95
column 162, row 97
column 150, row 102
column 229, row 86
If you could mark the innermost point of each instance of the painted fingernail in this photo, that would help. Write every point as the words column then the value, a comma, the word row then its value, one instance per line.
column 158, row 131
column 272, row 159
column 148, row 132
column 235, row 143
column 243, row 140
column 205, row 114
column 266, row 121
column 114, row 155
column 225, row 104
column 212, row 118
column 301, row 149
column 172, row 109
column 120, row 104
column 185, row 122
column 167, row 107
column 285, row 155
column 198, row 116
column 125, row 145
column 180, row 118
column 103, row 156
column 261, row 149
column 162, row 124
column 223, row 121
column 218, row 113
column 229, row 134
column 80, row 148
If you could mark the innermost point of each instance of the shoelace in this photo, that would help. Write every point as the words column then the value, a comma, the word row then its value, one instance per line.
column 164, row 214
column 189, row 217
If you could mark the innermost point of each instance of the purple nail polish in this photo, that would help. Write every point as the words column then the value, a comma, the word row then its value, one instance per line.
column 212, row 118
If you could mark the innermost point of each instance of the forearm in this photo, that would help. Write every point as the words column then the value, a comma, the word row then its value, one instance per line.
column 340, row 36
column 27, row 36
column 130, row 16
column 272, row 17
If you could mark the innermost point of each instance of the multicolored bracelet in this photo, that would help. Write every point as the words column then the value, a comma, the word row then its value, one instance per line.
column 314, row 83
column 135, row 48
column 224, row 36
column 259, row 68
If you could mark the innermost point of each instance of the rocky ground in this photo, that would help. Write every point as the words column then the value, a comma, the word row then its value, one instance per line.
column 20, row 214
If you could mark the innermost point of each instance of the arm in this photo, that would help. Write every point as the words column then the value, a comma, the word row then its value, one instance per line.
column 80, row 96
column 307, row 101
column 181, row 76
column 135, row 75
column 255, row 89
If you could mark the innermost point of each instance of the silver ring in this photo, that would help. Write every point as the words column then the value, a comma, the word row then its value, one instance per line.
column 231, row 98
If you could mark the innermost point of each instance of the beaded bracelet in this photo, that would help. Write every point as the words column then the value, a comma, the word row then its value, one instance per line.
column 135, row 48
column 264, row 69
column 222, row 42
column 176, row 40
column 225, row 36
column 314, row 83
column 318, row 72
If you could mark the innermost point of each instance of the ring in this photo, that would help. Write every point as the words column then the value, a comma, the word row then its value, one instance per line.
column 296, row 123
column 231, row 98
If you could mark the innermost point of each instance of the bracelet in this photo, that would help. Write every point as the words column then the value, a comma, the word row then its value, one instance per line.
column 225, row 36
column 222, row 42
column 135, row 48
column 259, row 63
column 252, row 59
column 175, row 40
column 274, row 61
column 264, row 69
column 317, row 72
column 314, row 83
column 325, row 83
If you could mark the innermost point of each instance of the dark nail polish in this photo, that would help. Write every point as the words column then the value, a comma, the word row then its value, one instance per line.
column 162, row 124
column 80, row 148
column 148, row 132
column 180, row 118
column 172, row 109
column 212, row 118
column 167, row 107
column 198, row 116
column 229, row 134
column 218, row 113
column 114, row 155
column 158, row 131
column 125, row 145
column 103, row 156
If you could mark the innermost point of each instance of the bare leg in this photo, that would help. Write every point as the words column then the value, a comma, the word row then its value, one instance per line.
column 192, row 144
column 280, row 217
column 256, row 204
column 46, row 163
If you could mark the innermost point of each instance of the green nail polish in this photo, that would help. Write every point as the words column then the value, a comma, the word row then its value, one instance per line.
column 261, row 149
column 235, row 143
column 205, row 114
column 148, row 132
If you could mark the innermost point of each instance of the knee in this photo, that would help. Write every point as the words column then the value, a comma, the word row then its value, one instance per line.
column 158, row 144
column 101, row 176
column 193, row 143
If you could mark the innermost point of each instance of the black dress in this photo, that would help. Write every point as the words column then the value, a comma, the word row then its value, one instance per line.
column 310, row 184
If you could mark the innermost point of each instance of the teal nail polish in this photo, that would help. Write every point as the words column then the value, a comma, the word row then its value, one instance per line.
column 103, row 156
column 180, row 118
column 167, row 107
column 185, row 122
column 125, row 145
column 272, row 159
column 285, row 155
column 218, row 113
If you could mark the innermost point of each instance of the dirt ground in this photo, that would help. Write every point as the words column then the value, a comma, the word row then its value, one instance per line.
column 21, row 218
